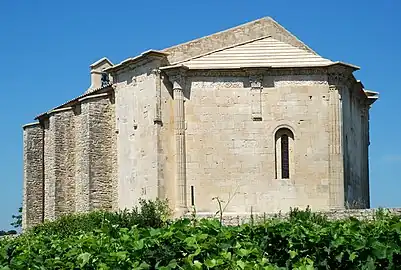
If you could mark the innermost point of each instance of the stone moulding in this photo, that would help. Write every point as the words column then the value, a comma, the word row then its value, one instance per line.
column 33, row 124
column 223, row 83
column 94, row 97
column 60, row 110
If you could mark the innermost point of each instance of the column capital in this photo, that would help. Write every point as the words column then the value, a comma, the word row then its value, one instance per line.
column 255, row 77
column 177, row 76
column 256, row 80
column 339, row 75
column 156, row 71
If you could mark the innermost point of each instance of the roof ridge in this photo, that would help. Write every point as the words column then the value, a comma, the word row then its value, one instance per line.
column 221, row 49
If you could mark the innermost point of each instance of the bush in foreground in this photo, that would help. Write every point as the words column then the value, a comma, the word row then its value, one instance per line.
column 153, row 214
column 302, row 241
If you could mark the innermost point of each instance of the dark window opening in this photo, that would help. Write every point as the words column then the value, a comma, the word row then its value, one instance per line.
column 285, row 163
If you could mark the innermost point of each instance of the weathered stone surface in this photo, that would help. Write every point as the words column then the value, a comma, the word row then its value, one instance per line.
column 60, row 164
column 95, row 176
column 50, row 172
column 101, row 127
column 252, row 30
column 138, row 175
column 262, row 139
column 33, row 203
column 83, row 149
column 232, row 156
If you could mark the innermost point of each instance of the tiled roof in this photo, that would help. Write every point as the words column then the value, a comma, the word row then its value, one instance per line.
column 262, row 52
column 92, row 92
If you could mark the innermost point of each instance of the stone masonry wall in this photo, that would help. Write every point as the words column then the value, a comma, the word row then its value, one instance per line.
column 95, row 156
column 137, row 147
column 82, row 168
column 33, row 176
column 231, row 156
column 65, row 162
column 59, row 164
column 101, row 128
column 50, row 172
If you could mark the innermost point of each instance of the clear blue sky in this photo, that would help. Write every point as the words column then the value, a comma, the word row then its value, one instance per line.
column 47, row 47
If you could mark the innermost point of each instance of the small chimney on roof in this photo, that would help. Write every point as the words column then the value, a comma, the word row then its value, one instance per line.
column 99, row 78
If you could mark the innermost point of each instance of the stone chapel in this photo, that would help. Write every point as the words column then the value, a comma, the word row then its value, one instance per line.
column 251, row 115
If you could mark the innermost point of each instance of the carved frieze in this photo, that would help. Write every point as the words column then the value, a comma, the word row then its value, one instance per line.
column 300, row 80
column 217, row 83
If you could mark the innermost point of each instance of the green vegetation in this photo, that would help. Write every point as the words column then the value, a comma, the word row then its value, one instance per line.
column 145, row 239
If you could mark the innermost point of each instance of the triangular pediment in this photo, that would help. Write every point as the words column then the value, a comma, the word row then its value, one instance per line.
column 237, row 35
column 262, row 52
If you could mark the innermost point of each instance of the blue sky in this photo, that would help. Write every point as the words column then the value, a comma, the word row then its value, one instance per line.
column 47, row 47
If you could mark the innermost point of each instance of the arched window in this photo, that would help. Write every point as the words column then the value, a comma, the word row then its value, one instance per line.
column 284, row 144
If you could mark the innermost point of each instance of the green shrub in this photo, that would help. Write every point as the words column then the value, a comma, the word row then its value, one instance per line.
column 302, row 241
column 153, row 214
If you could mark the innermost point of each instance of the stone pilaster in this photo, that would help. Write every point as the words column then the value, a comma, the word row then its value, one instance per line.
column 336, row 166
column 337, row 76
column 256, row 96
column 33, row 190
column 158, row 112
column 158, row 125
column 177, row 78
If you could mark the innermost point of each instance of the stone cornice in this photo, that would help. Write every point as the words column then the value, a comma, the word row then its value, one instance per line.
column 94, row 96
column 341, row 75
column 136, row 61
column 30, row 125
column 59, row 110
